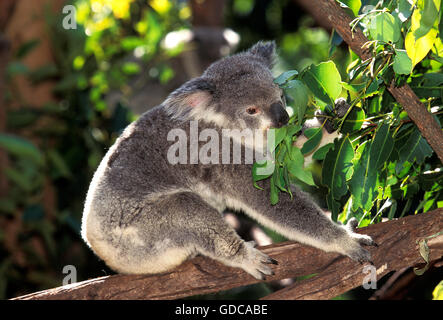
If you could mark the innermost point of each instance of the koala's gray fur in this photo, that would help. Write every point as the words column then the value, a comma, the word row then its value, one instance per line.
column 145, row 215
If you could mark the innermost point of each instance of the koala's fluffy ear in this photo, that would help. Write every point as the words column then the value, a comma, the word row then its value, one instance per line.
column 265, row 50
column 194, row 94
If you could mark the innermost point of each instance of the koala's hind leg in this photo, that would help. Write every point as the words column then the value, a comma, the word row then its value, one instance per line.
column 204, row 228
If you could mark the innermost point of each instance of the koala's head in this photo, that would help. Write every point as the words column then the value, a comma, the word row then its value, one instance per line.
column 236, row 92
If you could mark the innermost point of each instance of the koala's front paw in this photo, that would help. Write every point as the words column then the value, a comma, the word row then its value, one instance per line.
column 353, row 244
column 256, row 263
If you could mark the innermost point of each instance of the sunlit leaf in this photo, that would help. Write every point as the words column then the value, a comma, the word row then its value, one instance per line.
column 299, row 93
column 417, row 49
column 295, row 167
column 385, row 27
column 354, row 5
column 402, row 63
column 324, row 81
column 424, row 17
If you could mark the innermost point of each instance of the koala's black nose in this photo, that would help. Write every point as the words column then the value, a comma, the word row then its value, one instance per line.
column 279, row 115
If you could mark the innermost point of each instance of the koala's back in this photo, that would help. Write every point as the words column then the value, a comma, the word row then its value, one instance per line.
column 131, row 176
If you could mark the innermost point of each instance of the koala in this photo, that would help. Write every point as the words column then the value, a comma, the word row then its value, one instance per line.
column 146, row 214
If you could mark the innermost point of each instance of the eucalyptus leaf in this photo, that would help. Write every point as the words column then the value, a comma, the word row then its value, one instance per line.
column 320, row 154
column 402, row 63
column 324, row 81
column 299, row 93
column 416, row 149
column 314, row 140
column 385, row 27
column 285, row 76
column 337, row 163
column 21, row 148
column 353, row 121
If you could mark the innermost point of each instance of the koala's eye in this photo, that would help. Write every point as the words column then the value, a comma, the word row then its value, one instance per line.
column 252, row 110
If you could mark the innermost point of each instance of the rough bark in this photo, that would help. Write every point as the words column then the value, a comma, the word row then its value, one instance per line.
column 330, row 11
column 337, row 274
column 398, row 241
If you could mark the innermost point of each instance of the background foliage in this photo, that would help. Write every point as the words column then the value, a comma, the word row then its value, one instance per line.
column 382, row 166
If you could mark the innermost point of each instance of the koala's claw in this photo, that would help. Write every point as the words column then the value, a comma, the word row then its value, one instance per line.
column 257, row 263
column 354, row 244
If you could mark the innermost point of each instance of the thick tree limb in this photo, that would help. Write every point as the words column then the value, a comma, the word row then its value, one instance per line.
column 397, row 249
column 330, row 11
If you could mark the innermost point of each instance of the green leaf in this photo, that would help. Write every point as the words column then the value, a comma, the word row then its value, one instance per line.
column 267, row 167
column 417, row 49
column 324, row 81
column 424, row 17
column 363, row 183
column 415, row 149
column 299, row 93
column 59, row 164
column 333, row 205
column 403, row 10
column 26, row 47
column 285, row 76
column 274, row 189
column 243, row 7
column 21, row 148
column 381, row 147
column 437, row 294
column 402, row 63
column 354, row 5
column 385, row 27
column 315, row 136
column 130, row 68
column 320, row 154
column 295, row 167
column 279, row 135
column 337, row 163
column 15, row 68
column 43, row 73
column 354, row 120
column 293, row 129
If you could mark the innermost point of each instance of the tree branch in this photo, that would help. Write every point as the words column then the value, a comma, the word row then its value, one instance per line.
column 330, row 11
column 397, row 249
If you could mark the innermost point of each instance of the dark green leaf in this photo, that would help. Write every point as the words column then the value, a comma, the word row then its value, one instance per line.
column 320, row 154
column 336, row 165
column 353, row 121
column 285, row 76
column 26, row 47
column 315, row 136
column 415, row 149
column 21, row 148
